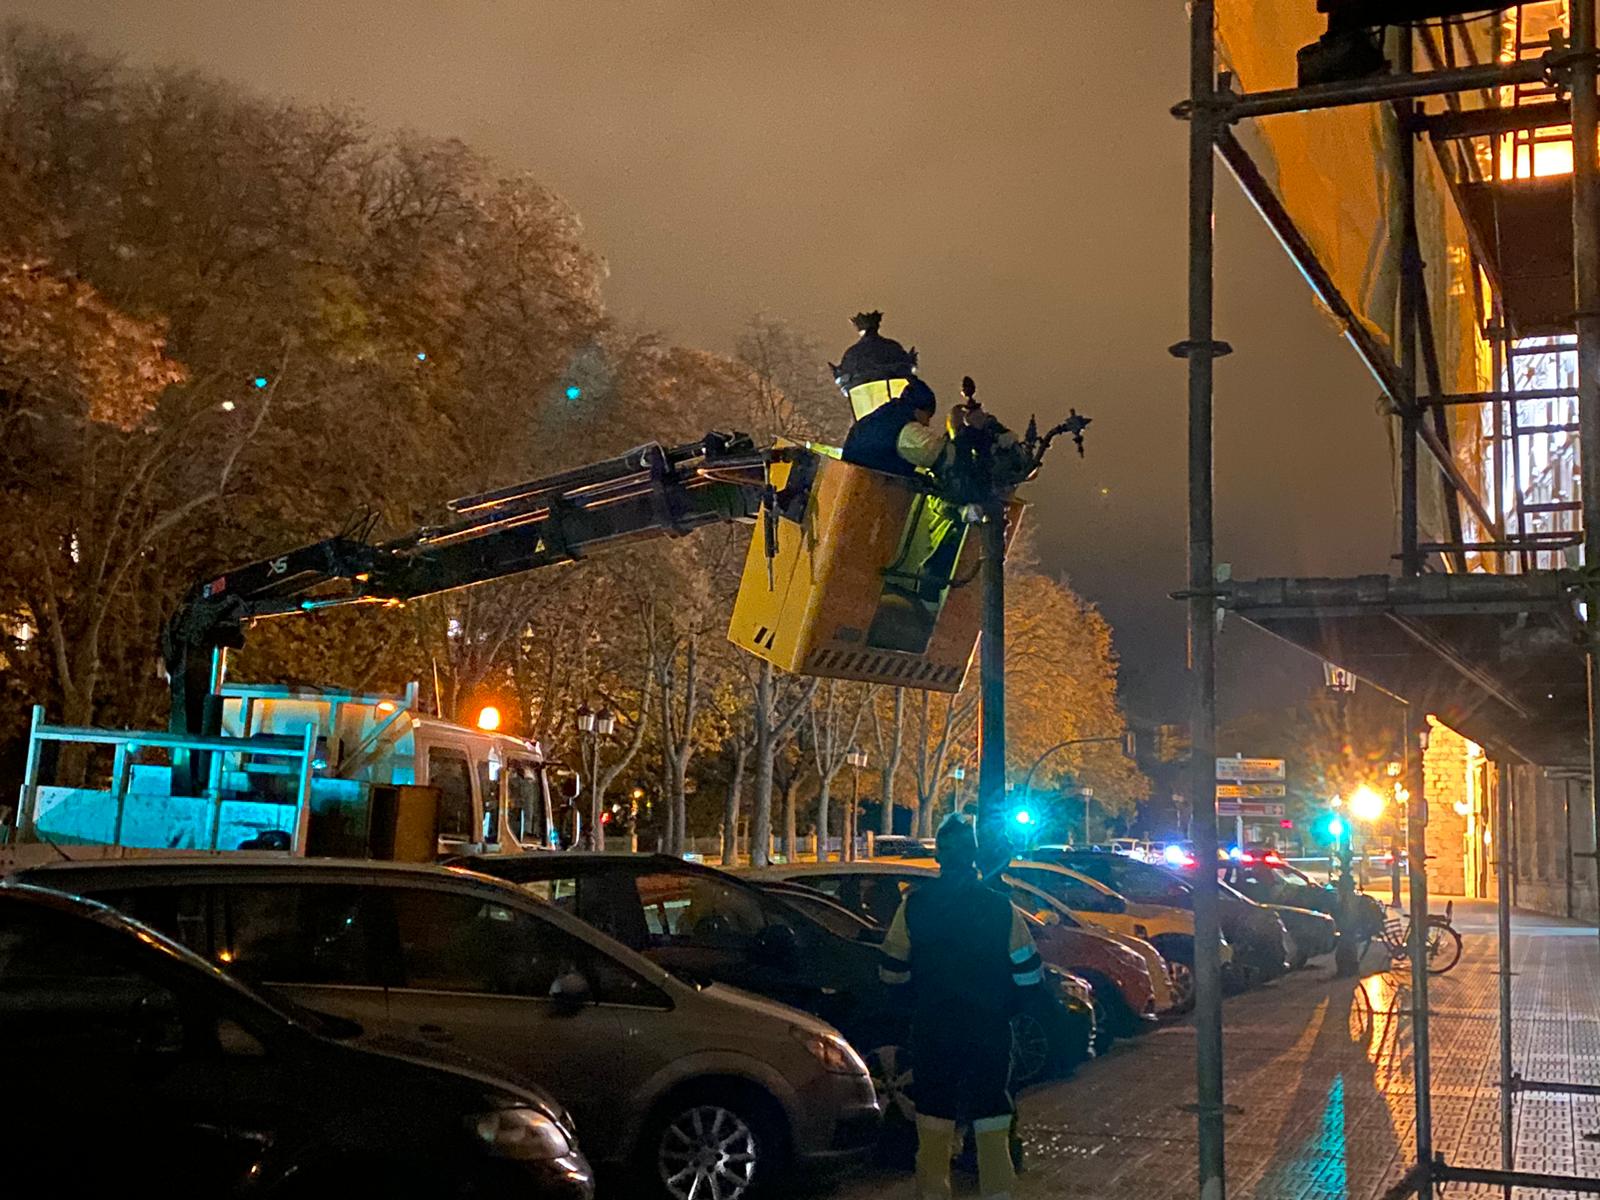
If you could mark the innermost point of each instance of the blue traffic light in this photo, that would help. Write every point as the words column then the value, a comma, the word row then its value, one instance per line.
column 260, row 381
column 1022, row 817
column 1336, row 826
column 574, row 391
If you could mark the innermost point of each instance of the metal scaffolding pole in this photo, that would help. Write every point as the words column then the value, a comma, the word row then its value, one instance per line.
column 1406, row 334
column 1502, row 837
column 1201, row 348
column 1417, row 869
column 1586, row 277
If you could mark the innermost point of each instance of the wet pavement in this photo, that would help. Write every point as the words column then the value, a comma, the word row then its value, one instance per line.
column 1319, row 1084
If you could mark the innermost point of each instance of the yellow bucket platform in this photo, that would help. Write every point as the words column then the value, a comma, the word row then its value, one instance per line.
column 843, row 598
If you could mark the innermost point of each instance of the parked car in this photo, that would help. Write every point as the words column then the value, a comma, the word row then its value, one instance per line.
column 700, row 1087
column 1168, row 927
column 708, row 924
column 1267, row 879
column 899, row 846
column 135, row 1066
column 1261, row 945
column 1124, row 991
column 1311, row 934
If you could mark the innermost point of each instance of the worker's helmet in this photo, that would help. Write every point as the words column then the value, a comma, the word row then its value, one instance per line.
column 956, row 842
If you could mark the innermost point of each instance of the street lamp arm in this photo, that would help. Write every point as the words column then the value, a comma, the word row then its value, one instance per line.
column 1028, row 778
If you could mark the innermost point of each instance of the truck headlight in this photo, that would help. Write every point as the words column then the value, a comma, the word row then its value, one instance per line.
column 832, row 1052
column 520, row 1133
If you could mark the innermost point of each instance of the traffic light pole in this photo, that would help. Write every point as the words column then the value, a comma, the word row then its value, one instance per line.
column 992, row 677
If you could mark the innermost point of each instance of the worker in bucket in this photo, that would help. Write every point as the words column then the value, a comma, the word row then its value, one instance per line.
column 966, row 954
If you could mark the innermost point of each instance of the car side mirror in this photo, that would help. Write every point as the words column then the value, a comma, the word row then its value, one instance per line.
column 570, row 992
column 778, row 944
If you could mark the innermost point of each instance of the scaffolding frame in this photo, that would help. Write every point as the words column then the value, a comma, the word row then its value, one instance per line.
column 1212, row 108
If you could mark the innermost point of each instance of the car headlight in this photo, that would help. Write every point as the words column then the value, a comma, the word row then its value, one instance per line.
column 1072, row 985
column 832, row 1052
column 524, row 1134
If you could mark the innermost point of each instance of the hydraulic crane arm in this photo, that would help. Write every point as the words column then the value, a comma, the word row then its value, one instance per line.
column 651, row 491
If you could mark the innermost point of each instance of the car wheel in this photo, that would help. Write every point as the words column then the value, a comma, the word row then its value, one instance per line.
column 1031, row 1052
column 1105, row 1026
column 711, row 1143
column 1297, row 957
column 1181, row 976
column 890, row 1069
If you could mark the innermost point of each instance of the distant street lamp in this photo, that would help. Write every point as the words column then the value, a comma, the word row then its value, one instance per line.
column 857, row 758
column 592, row 726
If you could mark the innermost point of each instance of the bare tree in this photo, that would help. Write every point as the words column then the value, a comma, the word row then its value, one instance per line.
column 890, row 738
column 779, row 707
column 835, row 722
column 941, row 724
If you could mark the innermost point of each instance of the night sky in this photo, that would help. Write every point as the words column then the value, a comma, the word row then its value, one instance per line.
column 1003, row 179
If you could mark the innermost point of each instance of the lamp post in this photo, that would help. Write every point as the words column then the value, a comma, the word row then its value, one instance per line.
column 857, row 758
column 592, row 726
column 1087, row 793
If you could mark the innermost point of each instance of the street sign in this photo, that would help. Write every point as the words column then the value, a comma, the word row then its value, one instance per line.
column 1244, row 769
column 1250, row 791
column 1248, row 809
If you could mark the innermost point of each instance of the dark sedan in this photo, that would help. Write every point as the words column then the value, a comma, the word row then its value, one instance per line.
column 139, row 1066
column 1267, row 879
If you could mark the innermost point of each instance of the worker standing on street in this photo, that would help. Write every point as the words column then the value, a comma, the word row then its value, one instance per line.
column 966, row 953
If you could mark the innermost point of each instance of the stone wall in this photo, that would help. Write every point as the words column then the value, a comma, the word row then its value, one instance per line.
column 1444, row 768
column 1544, row 852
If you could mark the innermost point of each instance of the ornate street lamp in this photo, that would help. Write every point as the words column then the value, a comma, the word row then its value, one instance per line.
column 592, row 726
column 857, row 758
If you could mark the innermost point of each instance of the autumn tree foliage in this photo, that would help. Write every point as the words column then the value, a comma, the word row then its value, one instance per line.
column 232, row 325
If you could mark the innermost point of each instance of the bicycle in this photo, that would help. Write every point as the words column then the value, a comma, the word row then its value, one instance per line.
column 1442, row 946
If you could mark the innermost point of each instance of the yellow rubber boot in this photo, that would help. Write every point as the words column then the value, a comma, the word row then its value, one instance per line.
column 935, row 1140
column 995, row 1176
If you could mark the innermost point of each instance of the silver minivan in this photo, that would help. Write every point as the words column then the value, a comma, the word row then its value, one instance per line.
column 705, row 1089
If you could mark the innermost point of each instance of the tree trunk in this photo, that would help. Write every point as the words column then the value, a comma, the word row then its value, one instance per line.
column 730, row 807
column 823, row 791
column 669, row 808
column 680, row 804
column 925, row 806
column 791, row 840
column 765, row 752
column 890, row 771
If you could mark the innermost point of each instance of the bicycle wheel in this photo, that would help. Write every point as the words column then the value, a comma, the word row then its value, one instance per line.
column 1444, row 948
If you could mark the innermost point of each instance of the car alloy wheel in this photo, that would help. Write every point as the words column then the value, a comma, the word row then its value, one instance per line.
column 890, row 1070
column 708, row 1152
column 1181, row 976
column 1030, row 1048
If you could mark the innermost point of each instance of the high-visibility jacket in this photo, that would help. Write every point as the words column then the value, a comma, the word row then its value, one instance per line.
column 874, row 440
column 963, row 948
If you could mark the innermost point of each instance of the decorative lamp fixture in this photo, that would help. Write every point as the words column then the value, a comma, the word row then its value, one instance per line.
column 857, row 757
column 604, row 722
column 585, row 719
column 489, row 718
column 876, row 369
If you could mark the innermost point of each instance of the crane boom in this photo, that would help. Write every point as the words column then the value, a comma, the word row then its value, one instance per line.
column 651, row 491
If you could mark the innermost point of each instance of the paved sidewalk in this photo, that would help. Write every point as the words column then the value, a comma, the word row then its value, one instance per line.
column 1320, row 1073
